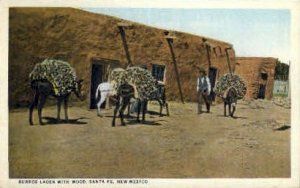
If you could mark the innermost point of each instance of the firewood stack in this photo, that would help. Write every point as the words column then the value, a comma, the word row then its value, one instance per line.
column 59, row 73
column 230, row 80
column 141, row 79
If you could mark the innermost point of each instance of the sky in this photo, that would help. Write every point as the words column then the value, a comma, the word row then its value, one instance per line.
column 253, row 32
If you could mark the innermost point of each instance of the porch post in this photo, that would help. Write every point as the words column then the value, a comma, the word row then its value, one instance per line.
column 122, row 27
column 170, row 42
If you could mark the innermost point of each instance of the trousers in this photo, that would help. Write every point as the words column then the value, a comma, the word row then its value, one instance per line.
column 203, row 98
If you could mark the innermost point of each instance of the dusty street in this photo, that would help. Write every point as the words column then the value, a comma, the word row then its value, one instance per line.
column 254, row 144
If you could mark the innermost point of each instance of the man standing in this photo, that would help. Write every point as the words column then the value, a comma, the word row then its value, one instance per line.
column 203, row 90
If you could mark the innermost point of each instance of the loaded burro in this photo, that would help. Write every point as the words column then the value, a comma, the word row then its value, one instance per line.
column 57, row 78
column 53, row 78
column 130, row 88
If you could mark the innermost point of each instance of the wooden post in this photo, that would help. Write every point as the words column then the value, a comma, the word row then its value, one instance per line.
column 208, row 55
column 170, row 42
column 121, row 27
column 228, row 59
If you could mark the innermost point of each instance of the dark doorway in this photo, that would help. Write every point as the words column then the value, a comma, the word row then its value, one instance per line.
column 212, row 75
column 262, row 91
column 264, row 76
column 100, row 71
column 96, row 79
column 158, row 72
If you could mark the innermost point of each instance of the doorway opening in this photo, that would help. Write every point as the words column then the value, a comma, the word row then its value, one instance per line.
column 100, row 69
column 212, row 75
column 97, row 78
column 262, row 91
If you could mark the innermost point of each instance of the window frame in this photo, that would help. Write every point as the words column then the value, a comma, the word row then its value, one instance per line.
column 158, row 71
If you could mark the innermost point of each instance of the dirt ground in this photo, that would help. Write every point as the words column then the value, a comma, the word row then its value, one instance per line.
column 184, row 145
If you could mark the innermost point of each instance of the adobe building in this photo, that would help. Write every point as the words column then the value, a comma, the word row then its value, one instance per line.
column 94, row 44
column 259, row 74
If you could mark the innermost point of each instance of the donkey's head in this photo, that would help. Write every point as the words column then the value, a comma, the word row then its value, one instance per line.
column 162, row 91
column 159, row 91
column 77, row 89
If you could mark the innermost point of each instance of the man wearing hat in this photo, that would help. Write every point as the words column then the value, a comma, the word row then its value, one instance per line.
column 203, row 90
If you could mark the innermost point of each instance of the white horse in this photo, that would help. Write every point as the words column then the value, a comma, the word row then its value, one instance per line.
column 106, row 90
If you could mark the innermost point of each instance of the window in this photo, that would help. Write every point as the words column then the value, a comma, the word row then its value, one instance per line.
column 264, row 76
column 158, row 72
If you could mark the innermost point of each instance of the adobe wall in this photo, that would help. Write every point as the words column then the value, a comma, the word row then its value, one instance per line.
column 77, row 36
column 250, row 69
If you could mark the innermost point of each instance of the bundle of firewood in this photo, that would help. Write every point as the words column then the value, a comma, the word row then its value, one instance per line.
column 230, row 80
column 59, row 73
column 117, row 78
column 141, row 79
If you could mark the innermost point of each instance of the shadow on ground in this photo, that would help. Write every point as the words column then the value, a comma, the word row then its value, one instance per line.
column 285, row 127
column 156, row 113
column 53, row 121
column 234, row 117
column 133, row 122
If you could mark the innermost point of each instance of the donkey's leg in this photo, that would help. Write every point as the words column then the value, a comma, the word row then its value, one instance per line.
column 58, row 109
column 161, row 107
column 139, row 104
column 121, row 114
column 225, row 109
column 208, row 107
column 32, row 105
column 115, row 111
column 103, row 96
column 124, row 104
column 144, row 108
column 167, row 108
column 233, row 109
column 229, row 106
column 40, row 107
column 128, row 108
column 66, row 108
